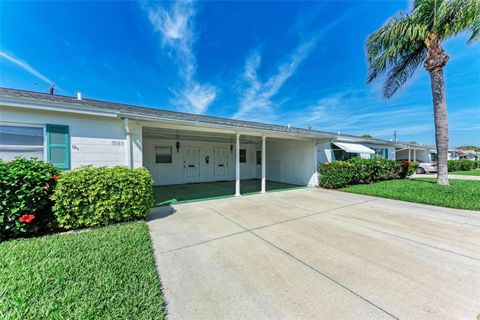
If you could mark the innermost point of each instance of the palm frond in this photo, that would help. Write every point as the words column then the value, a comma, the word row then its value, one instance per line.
column 403, row 70
column 457, row 16
column 396, row 38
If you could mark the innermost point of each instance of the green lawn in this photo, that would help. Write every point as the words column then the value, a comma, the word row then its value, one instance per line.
column 467, row 172
column 106, row 273
column 461, row 194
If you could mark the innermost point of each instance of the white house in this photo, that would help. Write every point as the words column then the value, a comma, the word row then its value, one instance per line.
column 415, row 152
column 343, row 147
column 175, row 147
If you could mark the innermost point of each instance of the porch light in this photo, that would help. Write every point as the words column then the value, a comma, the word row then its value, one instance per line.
column 231, row 148
column 178, row 146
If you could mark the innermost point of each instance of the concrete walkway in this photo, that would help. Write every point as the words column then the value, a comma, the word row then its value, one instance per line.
column 316, row 254
column 450, row 176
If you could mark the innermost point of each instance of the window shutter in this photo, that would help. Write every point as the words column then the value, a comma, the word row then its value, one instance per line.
column 58, row 146
column 386, row 153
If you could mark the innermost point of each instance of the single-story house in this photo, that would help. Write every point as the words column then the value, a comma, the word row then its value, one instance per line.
column 176, row 148
column 415, row 152
column 344, row 147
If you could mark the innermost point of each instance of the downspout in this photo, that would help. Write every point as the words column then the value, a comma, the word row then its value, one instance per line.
column 128, row 150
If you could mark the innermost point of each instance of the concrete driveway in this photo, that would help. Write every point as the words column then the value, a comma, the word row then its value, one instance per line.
column 316, row 254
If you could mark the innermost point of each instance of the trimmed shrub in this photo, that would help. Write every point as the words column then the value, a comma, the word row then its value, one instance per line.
column 91, row 197
column 338, row 174
column 25, row 189
column 461, row 165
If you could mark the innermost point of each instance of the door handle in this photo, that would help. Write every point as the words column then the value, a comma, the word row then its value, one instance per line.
column 220, row 165
column 191, row 165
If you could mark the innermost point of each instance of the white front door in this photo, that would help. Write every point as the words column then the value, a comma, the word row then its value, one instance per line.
column 191, row 164
column 220, row 156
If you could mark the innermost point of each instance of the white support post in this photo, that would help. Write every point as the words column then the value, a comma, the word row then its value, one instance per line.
column 414, row 154
column 237, row 166
column 409, row 154
column 264, row 165
column 128, row 142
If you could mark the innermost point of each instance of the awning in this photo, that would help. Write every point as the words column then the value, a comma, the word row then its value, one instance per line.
column 354, row 148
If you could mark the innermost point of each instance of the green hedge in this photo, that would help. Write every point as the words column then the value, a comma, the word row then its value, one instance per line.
column 25, row 190
column 338, row 174
column 91, row 197
column 462, row 165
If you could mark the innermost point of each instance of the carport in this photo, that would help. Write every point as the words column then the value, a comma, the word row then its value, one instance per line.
column 196, row 163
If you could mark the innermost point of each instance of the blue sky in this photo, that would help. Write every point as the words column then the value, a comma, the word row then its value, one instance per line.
column 298, row 63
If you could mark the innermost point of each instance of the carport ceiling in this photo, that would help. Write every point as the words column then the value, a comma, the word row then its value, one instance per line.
column 169, row 134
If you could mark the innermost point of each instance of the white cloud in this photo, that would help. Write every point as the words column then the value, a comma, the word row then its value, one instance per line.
column 25, row 66
column 257, row 96
column 175, row 25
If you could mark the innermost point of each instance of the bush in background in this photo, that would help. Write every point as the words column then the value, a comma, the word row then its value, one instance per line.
column 91, row 197
column 338, row 174
column 461, row 165
column 25, row 189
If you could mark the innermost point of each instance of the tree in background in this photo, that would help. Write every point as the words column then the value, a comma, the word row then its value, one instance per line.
column 408, row 39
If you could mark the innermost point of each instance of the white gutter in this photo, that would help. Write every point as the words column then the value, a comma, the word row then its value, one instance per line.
column 128, row 143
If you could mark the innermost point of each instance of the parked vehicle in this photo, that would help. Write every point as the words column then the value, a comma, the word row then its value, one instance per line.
column 426, row 167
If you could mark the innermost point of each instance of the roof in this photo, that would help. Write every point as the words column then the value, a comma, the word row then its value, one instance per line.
column 141, row 112
column 138, row 112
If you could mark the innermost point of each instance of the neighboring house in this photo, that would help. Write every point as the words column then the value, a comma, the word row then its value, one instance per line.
column 415, row 152
column 468, row 155
column 175, row 147
column 344, row 147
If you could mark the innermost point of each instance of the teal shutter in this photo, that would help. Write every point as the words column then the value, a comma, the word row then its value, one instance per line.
column 386, row 153
column 58, row 146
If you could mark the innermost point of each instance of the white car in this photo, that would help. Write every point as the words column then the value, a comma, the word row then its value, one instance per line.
column 426, row 167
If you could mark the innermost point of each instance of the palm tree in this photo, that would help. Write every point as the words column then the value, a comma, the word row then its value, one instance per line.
column 408, row 39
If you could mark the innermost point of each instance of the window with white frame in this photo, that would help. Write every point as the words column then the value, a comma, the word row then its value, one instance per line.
column 163, row 154
column 380, row 153
column 25, row 141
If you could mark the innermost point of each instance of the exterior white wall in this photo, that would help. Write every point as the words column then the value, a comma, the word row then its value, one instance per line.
column 391, row 149
column 292, row 161
column 324, row 152
column 173, row 173
column 94, row 140
column 421, row 155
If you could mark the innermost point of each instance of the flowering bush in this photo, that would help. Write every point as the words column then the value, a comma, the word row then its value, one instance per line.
column 25, row 189
column 91, row 197
column 338, row 174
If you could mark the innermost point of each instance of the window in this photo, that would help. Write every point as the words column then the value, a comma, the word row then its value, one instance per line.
column 380, row 153
column 243, row 156
column 163, row 154
column 23, row 141
column 58, row 146
column 259, row 157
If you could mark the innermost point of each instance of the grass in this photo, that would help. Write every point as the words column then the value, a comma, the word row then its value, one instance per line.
column 467, row 172
column 461, row 194
column 181, row 193
column 106, row 273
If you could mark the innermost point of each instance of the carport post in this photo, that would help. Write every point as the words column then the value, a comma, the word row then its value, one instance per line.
column 237, row 166
column 414, row 154
column 264, row 157
column 409, row 154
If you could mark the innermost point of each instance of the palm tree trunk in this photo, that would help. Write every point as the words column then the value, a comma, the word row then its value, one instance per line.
column 434, row 63
column 441, row 124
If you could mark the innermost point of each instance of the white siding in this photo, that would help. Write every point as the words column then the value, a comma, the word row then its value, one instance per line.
column 173, row 173
column 94, row 140
column 292, row 161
